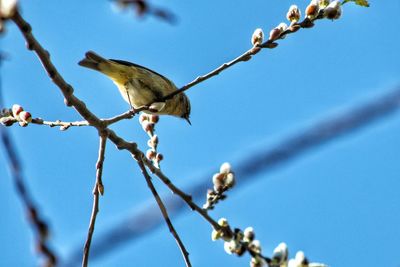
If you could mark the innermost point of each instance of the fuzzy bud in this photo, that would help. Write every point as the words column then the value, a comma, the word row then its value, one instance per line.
column 16, row 109
column 215, row 235
column 143, row 117
column 276, row 33
column 230, row 180
column 233, row 247
column 323, row 3
column 218, row 180
column 249, row 234
column 150, row 154
column 255, row 246
column 301, row 258
column 23, row 123
column 280, row 254
column 256, row 262
column 148, row 127
column 258, row 37
column 225, row 168
column 159, row 157
column 312, row 9
column 25, row 116
column 153, row 142
column 293, row 14
column 223, row 222
column 7, row 121
column 333, row 10
column 154, row 118
column 8, row 8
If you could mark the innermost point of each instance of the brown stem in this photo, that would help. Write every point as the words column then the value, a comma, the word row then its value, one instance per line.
column 97, row 190
column 164, row 212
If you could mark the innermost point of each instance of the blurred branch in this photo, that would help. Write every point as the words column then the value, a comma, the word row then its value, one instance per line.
column 142, row 8
column 134, row 226
column 39, row 225
column 97, row 190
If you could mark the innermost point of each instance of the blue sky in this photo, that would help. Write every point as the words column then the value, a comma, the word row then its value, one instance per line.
column 339, row 203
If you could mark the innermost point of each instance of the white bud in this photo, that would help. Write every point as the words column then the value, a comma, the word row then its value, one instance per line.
column 147, row 126
column 225, row 168
column 25, row 116
column 8, row 8
column 255, row 246
column 282, row 26
column 293, row 263
column 312, row 9
column 223, row 222
column 150, row 154
column 293, row 14
column 257, row 261
column 143, row 117
column 323, row 3
column 230, row 180
column 249, row 234
column 300, row 257
column 277, row 32
column 258, row 37
column 333, row 10
column 280, row 254
column 16, row 109
column 215, row 235
column 229, row 246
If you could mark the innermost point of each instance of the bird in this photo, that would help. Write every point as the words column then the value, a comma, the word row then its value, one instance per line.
column 140, row 86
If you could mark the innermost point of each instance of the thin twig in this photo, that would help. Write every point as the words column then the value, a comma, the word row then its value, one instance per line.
column 246, row 56
column 187, row 198
column 97, row 190
column 164, row 212
column 63, row 124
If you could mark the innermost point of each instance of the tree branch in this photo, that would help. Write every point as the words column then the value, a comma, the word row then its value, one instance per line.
column 97, row 190
column 164, row 212
column 246, row 56
column 72, row 101
column 247, row 169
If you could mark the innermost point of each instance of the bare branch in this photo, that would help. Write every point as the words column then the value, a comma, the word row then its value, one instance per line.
column 164, row 212
column 187, row 198
column 97, row 190
column 62, row 124
column 268, row 159
column 93, row 120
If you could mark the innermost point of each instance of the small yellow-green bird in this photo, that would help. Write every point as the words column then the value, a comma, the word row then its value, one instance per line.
column 140, row 86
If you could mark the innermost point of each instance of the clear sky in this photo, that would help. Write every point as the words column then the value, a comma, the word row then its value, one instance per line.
column 339, row 203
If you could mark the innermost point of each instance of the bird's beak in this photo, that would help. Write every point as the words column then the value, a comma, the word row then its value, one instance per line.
column 187, row 119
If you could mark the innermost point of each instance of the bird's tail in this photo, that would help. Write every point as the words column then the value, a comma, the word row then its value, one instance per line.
column 92, row 61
